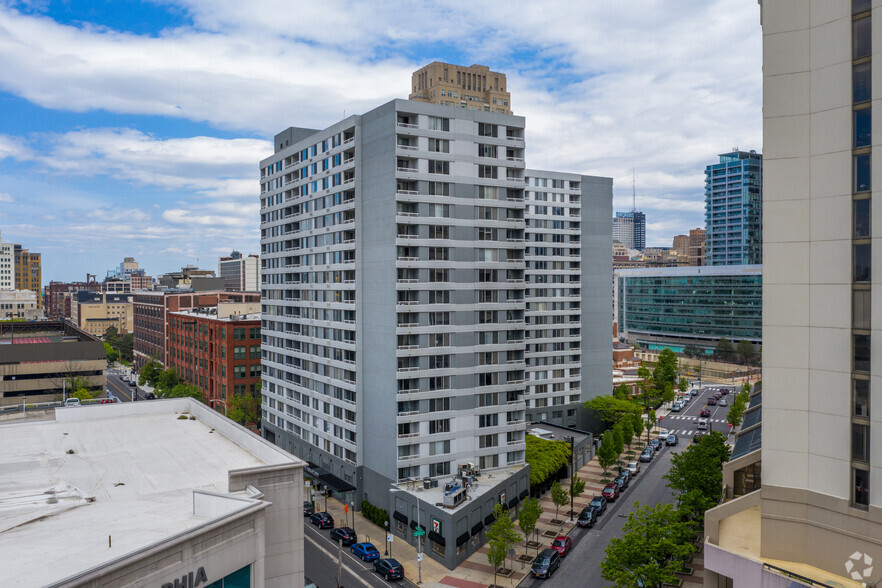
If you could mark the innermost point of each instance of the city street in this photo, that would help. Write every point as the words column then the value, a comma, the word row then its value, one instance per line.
column 120, row 389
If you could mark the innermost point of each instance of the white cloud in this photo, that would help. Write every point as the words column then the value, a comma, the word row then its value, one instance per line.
column 6, row 198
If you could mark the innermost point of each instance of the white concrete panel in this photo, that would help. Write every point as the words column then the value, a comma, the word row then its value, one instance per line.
column 831, row 217
column 788, row 469
column 831, row 130
column 786, row 136
column 829, row 262
column 827, row 308
column 785, row 15
column 786, row 52
column 785, row 179
column 824, row 12
column 791, row 261
column 830, row 392
column 791, row 217
column 785, row 304
column 830, row 88
column 828, row 475
column 827, row 47
column 787, row 94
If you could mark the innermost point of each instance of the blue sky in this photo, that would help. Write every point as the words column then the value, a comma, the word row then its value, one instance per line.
column 135, row 128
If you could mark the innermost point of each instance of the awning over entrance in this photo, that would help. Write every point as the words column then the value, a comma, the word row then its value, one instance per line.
column 333, row 482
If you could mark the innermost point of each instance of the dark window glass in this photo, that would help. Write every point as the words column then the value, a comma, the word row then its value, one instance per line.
column 860, row 309
column 861, row 210
column 858, row 6
column 860, row 38
column 861, row 487
column 862, row 173
column 861, row 353
column 860, row 82
column 860, row 442
column 862, row 135
column 861, row 401
column 861, row 263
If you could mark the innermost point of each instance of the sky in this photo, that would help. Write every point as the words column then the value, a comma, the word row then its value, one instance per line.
column 135, row 128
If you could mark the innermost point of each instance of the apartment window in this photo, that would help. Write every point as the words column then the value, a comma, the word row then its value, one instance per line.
column 861, row 480
column 488, row 171
column 239, row 371
column 439, row 145
column 488, row 461
column 860, row 442
column 437, row 123
column 439, row 210
column 439, row 404
column 255, row 351
column 439, row 361
column 440, row 426
column 858, row 6
column 861, row 36
column 861, row 348
column 860, row 398
column 439, row 447
column 861, row 262
column 862, row 130
column 239, row 352
column 439, row 383
column 238, row 334
column 487, row 151
column 439, row 167
column 439, row 189
column 439, row 318
column 488, row 130
column 860, row 309
column 487, row 441
column 439, row 275
column 439, row 339
column 488, row 420
column 862, row 174
column 439, row 296
column 860, row 82
column 439, row 232
column 861, row 218
column 439, row 253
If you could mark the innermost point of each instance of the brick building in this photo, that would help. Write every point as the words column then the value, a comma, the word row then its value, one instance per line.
column 58, row 297
column 217, row 349
column 150, row 311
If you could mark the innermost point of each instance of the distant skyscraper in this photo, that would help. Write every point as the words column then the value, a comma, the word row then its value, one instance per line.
column 240, row 273
column 474, row 87
column 733, row 209
column 7, row 266
column 629, row 229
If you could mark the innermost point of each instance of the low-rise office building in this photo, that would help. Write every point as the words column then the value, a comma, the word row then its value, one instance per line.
column 150, row 494
column 37, row 359
column 95, row 312
column 677, row 307
column 19, row 305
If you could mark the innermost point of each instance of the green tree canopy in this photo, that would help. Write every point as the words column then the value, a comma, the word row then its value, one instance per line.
column 683, row 385
column 559, row 496
column 637, row 425
column 606, row 453
column 111, row 336
column 244, row 408
column 724, row 349
column 611, row 409
column 167, row 380
column 622, row 392
column 746, row 350
column 627, row 428
column 110, row 353
column 577, row 486
column 150, row 373
column 618, row 439
column 501, row 536
column 184, row 390
column 651, row 549
column 545, row 457
column 665, row 370
column 529, row 513
column 699, row 470
column 82, row 394
column 126, row 345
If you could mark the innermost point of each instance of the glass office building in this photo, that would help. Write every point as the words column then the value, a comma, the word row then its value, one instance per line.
column 733, row 196
column 679, row 306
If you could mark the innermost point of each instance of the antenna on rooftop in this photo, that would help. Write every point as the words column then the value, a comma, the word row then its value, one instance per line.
column 634, row 189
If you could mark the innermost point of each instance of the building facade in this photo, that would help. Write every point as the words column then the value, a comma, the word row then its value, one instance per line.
column 629, row 229
column 217, row 349
column 240, row 273
column 58, row 296
column 818, row 512
column 39, row 357
column 29, row 272
column 697, row 244
column 679, row 306
column 95, row 312
column 19, row 305
column 733, row 209
column 474, row 87
column 681, row 245
column 7, row 265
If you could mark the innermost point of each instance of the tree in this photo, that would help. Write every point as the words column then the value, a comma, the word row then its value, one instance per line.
column 651, row 549
column 622, row 392
column 668, row 395
column 82, row 394
column 638, row 425
column 618, row 439
column 559, row 496
column 746, row 350
column 150, row 373
column 665, row 369
column 501, row 536
column 611, row 409
column 650, row 423
column 244, row 408
column 111, row 336
column 606, row 453
column 527, row 517
column 627, row 427
column 126, row 346
column 167, row 380
column 724, row 349
column 545, row 457
column 184, row 390
column 697, row 473
column 577, row 487
column 110, row 353
column 683, row 385
column 735, row 416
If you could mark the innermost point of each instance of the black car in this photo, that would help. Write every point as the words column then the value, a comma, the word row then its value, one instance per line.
column 389, row 568
column 621, row 481
column 598, row 503
column 587, row 517
column 698, row 436
column 647, row 455
column 672, row 439
column 308, row 508
column 149, row 396
column 545, row 563
column 656, row 444
column 345, row 535
column 322, row 519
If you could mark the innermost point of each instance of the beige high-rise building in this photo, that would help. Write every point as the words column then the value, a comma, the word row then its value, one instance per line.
column 805, row 477
column 697, row 246
column 29, row 272
column 95, row 312
column 474, row 87
column 681, row 244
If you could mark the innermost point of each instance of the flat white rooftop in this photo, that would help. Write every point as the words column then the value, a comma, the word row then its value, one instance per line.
column 488, row 480
column 103, row 481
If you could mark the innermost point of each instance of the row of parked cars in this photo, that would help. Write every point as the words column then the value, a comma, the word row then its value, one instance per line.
column 388, row 567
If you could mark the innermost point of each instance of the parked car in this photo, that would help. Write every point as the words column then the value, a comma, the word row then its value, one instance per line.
column 647, row 455
column 702, row 424
column 545, row 563
column 345, row 535
column 587, row 517
column 308, row 508
column 72, row 402
column 672, row 440
column 610, row 492
column 621, row 481
column 322, row 520
column 677, row 407
column 562, row 545
column 598, row 503
column 633, row 467
column 698, row 436
column 705, row 412
column 149, row 396
column 711, row 401
column 656, row 444
column 106, row 401
column 389, row 568
column 663, row 434
column 366, row 551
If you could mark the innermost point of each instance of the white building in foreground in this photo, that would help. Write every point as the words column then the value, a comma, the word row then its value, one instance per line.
column 161, row 494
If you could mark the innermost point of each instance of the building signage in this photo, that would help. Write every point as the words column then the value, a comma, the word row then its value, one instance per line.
column 191, row 580
column 502, row 498
column 436, row 525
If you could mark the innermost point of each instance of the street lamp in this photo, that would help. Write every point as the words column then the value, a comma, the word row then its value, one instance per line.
column 224, row 402
column 386, row 552
column 572, row 441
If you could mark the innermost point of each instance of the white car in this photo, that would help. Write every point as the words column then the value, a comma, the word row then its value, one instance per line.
column 72, row 402
column 721, row 402
column 663, row 434
column 633, row 467
column 702, row 424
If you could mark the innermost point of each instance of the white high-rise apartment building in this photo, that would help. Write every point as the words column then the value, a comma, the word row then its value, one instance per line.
column 7, row 265
column 817, row 512
column 396, row 318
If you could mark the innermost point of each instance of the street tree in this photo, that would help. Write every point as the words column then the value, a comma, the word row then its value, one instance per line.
column 577, row 486
column 654, row 542
column 167, row 380
column 683, row 385
column 110, row 353
column 126, row 347
column 618, row 439
column 622, row 392
column 111, row 336
column 746, row 350
column 150, row 373
column 559, row 496
column 184, row 390
column 606, row 453
column 638, row 425
column 724, row 349
column 699, row 470
column 611, row 409
column 627, row 428
column 82, row 394
column 528, row 516
column 501, row 536
column 650, row 423
column 665, row 369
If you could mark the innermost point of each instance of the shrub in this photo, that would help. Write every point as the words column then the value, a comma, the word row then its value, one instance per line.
column 374, row 514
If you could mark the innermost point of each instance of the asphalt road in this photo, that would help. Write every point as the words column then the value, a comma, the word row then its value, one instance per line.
column 320, row 556
column 121, row 389
column 581, row 567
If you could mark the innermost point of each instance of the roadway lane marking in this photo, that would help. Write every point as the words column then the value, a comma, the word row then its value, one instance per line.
column 333, row 557
column 121, row 389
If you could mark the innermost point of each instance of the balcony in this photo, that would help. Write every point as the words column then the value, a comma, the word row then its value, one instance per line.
column 411, row 170
column 407, row 125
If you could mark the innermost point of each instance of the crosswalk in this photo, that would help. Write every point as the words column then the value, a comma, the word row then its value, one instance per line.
column 689, row 418
column 692, row 420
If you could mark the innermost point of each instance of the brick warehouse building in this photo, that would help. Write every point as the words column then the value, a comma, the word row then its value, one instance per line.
column 216, row 349
column 151, row 309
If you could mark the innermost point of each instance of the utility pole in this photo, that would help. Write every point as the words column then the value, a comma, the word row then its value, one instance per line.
column 339, row 563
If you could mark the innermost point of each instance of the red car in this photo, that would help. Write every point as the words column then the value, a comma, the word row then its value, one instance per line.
column 705, row 413
column 711, row 401
column 562, row 545
column 610, row 492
